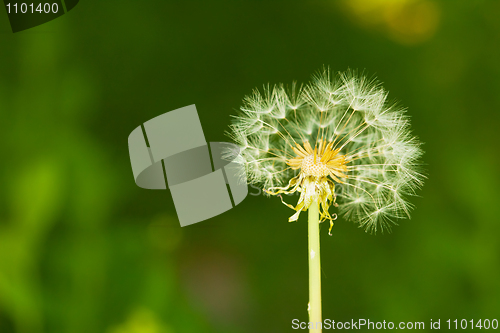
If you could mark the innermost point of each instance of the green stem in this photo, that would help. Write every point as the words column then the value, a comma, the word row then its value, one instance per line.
column 314, row 269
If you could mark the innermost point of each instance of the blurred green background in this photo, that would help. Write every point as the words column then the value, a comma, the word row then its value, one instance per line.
column 83, row 249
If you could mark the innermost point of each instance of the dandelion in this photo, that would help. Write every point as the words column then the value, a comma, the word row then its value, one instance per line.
column 336, row 142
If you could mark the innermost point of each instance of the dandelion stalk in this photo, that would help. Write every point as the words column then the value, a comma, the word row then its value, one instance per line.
column 314, row 268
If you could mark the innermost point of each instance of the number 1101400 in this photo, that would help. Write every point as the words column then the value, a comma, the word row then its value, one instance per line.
column 24, row 8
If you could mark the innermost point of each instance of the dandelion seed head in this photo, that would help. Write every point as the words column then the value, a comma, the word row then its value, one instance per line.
column 338, row 129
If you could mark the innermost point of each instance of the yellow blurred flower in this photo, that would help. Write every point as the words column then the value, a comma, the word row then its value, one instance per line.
column 141, row 320
column 405, row 21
